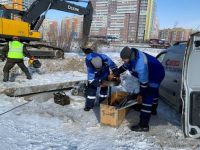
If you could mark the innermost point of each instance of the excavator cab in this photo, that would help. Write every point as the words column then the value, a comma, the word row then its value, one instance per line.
column 25, row 24
column 12, row 25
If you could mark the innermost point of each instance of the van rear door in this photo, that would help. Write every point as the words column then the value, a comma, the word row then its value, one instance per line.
column 190, row 89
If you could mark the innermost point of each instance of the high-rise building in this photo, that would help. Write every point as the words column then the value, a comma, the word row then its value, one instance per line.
column 22, row 4
column 175, row 34
column 155, row 29
column 128, row 20
column 26, row 4
column 73, row 24
column 49, row 26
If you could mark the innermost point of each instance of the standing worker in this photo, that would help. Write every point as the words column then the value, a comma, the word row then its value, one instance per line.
column 15, row 52
column 150, row 73
column 98, row 68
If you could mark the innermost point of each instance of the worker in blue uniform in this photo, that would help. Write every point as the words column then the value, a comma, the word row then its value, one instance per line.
column 98, row 67
column 150, row 73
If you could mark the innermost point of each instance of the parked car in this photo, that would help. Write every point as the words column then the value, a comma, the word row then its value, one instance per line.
column 181, row 86
column 159, row 43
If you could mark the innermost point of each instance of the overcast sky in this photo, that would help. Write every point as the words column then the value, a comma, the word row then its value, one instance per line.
column 171, row 13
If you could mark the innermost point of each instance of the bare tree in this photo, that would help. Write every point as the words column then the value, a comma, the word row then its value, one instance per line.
column 60, row 37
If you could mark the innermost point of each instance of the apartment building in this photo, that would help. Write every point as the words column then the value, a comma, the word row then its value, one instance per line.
column 128, row 20
column 26, row 4
column 155, row 29
column 175, row 34
column 73, row 24
column 49, row 26
column 18, row 4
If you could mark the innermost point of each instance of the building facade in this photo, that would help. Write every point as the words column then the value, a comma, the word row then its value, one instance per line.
column 128, row 20
column 18, row 4
column 48, row 29
column 175, row 34
column 74, row 25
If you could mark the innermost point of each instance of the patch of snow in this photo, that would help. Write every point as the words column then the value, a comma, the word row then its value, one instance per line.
column 46, row 125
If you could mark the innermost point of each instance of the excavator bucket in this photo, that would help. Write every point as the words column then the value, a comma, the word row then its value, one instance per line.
column 90, row 47
column 87, row 51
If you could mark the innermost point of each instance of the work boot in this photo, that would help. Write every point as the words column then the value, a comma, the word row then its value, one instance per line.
column 6, row 76
column 141, row 127
column 154, row 112
column 28, row 76
column 87, row 108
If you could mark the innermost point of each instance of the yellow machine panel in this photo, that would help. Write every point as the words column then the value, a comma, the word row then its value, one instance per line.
column 0, row 25
column 34, row 34
column 13, row 27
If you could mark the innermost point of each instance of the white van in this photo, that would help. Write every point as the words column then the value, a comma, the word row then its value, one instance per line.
column 181, row 86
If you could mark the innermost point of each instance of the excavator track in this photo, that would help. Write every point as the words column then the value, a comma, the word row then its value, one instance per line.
column 40, row 50
column 45, row 51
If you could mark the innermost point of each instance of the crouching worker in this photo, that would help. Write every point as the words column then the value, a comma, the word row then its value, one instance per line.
column 98, row 68
column 150, row 73
column 14, row 51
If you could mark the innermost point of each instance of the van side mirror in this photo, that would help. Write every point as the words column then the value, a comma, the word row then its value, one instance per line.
column 197, row 43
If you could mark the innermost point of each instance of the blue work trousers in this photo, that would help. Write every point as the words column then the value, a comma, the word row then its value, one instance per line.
column 149, row 103
column 91, row 96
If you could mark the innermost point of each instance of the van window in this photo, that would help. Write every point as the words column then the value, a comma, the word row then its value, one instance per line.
column 161, row 57
column 166, row 42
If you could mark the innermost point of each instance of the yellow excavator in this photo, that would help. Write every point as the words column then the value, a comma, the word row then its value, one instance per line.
column 25, row 24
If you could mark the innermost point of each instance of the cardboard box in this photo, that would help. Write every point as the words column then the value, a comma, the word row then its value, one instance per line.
column 111, row 116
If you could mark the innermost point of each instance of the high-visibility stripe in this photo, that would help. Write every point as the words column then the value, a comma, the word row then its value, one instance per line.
column 125, row 68
column 146, row 104
column 144, row 82
column 16, row 51
column 102, row 95
column 145, row 58
column 90, row 81
column 155, row 102
column 144, row 86
column 114, row 67
column 91, row 97
column 145, row 111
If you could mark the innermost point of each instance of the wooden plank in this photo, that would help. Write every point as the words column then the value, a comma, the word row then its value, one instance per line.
column 108, row 114
column 122, row 114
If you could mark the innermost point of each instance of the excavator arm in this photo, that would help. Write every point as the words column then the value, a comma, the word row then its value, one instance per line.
column 32, row 15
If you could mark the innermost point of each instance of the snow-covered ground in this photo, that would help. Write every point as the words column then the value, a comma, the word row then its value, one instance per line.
column 45, row 125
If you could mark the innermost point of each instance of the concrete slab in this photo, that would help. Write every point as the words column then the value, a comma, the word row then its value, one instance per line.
column 18, row 91
column 41, row 83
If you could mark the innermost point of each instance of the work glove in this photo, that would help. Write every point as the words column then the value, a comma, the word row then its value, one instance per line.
column 111, row 77
column 139, row 98
column 102, row 85
column 132, row 96
column 30, row 62
column 3, row 59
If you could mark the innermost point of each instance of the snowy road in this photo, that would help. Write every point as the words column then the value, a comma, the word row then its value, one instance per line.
column 44, row 125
